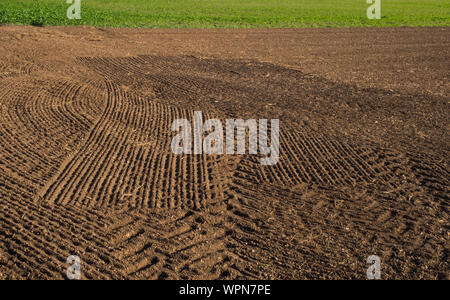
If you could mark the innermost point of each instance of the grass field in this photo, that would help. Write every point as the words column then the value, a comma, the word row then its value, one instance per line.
column 227, row 13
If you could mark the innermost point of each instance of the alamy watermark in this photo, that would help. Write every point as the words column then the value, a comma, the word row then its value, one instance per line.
column 74, row 270
column 374, row 11
column 189, row 139
column 74, row 11
column 374, row 271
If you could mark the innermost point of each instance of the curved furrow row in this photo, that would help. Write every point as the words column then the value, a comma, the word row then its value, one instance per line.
column 13, row 68
column 38, row 128
column 72, row 164
column 308, row 157
column 127, row 160
column 149, row 76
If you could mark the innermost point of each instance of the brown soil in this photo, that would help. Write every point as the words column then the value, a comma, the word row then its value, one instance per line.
column 86, row 167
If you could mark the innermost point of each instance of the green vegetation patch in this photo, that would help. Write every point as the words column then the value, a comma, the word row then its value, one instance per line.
column 227, row 13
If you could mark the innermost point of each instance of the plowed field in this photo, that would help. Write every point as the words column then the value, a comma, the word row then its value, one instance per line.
column 86, row 166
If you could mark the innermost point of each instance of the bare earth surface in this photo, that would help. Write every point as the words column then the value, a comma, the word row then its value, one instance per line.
column 86, row 167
